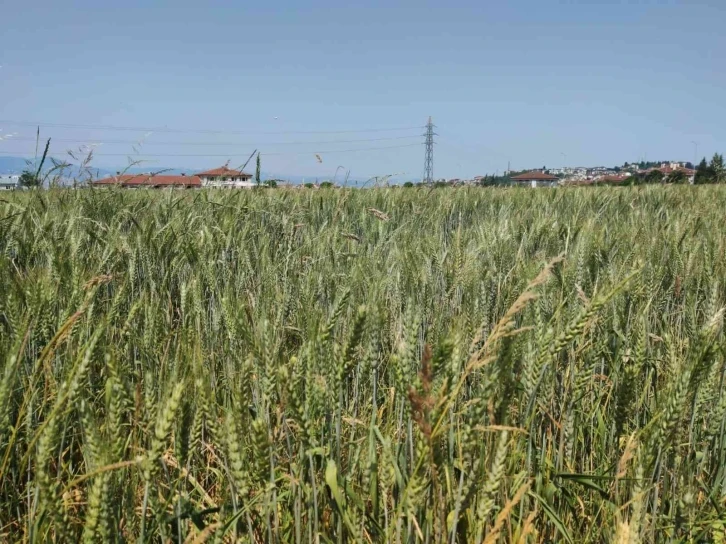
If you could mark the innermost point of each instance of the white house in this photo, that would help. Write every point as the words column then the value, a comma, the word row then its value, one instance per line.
column 225, row 177
column 535, row 178
column 8, row 183
column 219, row 177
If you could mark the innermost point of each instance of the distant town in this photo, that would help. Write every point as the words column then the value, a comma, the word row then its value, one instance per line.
column 674, row 172
column 649, row 172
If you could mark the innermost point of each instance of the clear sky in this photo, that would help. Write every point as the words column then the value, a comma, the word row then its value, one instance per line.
column 534, row 82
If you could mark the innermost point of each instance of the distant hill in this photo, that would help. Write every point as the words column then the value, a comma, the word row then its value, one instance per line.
column 12, row 165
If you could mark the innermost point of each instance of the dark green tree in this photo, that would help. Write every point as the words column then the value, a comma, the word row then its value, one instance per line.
column 257, row 171
column 487, row 181
column 29, row 179
column 654, row 176
column 717, row 168
column 408, row 184
column 635, row 179
column 704, row 175
column 32, row 179
column 677, row 177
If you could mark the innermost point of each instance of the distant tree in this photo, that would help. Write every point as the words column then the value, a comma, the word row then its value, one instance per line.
column 326, row 185
column 271, row 183
column 257, row 171
column 488, row 181
column 408, row 184
column 678, row 177
column 654, row 176
column 626, row 165
column 704, row 174
column 689, row 165
column 309, row 185
column 717, row 168
column 29, row 179
column 635, row 179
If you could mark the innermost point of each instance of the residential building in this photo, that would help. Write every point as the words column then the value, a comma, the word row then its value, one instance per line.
column 225, row 177
column 9, row 183
column 535, row 178
column 670, row 169
column 219, row 177
column 614, row 179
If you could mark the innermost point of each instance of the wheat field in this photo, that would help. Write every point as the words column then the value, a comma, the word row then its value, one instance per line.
column 385, row 365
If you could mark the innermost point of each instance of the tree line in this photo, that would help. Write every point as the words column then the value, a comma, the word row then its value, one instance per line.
column 713, row 172
column 706, row 173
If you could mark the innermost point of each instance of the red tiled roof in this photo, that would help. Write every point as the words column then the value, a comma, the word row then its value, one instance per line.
column 224, row 171
column 669, row 170
column 150, row 180
column 535, row 175
column 613, row 178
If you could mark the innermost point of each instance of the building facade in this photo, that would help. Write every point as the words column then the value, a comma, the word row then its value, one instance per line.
column 535, row 178
column 225, row 177
column 9, row 183
column 218, row 177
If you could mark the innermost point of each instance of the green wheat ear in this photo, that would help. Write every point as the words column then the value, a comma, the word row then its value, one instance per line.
column 379, row 365
column 162, row 428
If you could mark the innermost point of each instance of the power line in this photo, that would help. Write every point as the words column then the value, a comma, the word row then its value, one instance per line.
column 142, row 142
column 329, row 152
column 196, row 131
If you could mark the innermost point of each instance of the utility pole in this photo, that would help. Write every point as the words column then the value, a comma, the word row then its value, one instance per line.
column 429, row 157
column 695, row 153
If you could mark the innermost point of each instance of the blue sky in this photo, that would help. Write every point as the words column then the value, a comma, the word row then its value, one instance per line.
column 528, row 82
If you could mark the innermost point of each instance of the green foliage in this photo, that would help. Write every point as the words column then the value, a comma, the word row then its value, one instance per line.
column 718, row 171
column 654, row 176
column 677, row 177
column 704, row 173
column 29, row 179
column 408, row 184
column 492, row 181
column 258, row 170
column 327, row 185
column 363, row 365
column 644, row 165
